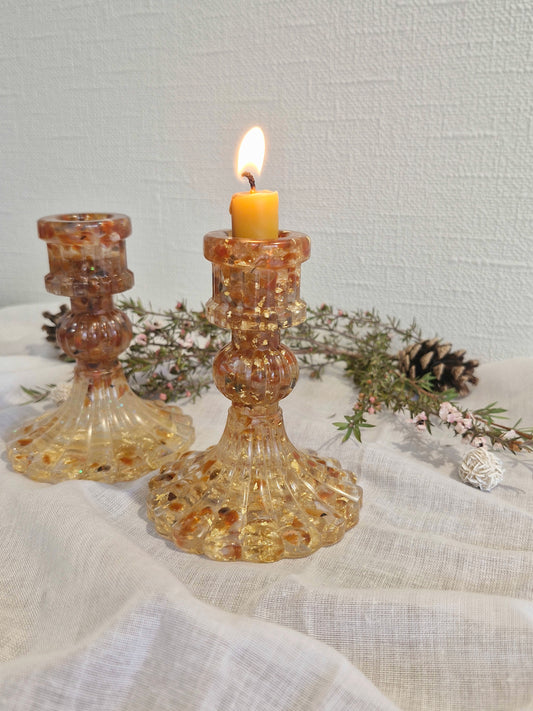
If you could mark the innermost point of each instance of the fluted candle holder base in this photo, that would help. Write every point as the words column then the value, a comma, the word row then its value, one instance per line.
column 102, row 432
column 253, row 496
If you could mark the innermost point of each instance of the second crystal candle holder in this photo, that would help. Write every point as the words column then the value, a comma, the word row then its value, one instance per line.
column 103, row 431
column 254, row 496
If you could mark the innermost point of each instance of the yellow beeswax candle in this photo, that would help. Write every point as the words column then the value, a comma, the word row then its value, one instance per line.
column 254, row 214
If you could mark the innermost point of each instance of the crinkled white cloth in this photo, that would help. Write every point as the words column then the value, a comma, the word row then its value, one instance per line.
column 426, row 604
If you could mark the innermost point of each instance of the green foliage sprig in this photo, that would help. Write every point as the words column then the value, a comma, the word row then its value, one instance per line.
column 369, row 348
column 172, row 352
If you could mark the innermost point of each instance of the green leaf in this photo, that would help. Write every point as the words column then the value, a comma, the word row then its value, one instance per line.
column 37, row 394
column 341, row 425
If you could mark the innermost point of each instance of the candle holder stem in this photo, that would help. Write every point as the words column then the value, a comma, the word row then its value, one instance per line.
column 254, row 496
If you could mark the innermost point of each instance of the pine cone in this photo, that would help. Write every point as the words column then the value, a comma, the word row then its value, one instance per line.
column 449, row 369
column 51, row 328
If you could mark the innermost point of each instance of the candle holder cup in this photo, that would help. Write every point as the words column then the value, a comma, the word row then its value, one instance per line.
column 254, row 496
column 103, row 431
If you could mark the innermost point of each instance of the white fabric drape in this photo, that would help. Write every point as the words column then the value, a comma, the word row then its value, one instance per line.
column 426, row 604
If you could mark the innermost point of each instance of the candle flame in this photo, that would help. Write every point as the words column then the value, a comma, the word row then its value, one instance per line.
column 251, row 152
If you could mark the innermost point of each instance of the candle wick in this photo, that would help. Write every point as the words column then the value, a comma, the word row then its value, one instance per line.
column 250, row 178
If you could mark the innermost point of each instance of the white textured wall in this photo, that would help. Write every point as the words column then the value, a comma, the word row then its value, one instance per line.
column 399, row 137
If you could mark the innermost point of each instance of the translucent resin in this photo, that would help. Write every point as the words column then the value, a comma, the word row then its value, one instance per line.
column 103, row 431
column 254, row 496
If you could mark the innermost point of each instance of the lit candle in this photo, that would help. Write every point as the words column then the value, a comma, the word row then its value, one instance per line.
column 254, row 214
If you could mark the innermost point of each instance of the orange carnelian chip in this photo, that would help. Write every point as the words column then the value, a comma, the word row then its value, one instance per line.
column 230, row 517
column 190, row 522
column 187, row 526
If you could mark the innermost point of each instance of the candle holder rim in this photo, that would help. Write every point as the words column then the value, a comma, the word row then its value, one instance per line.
column 94, row 222
column 291, row 247
column 283, row 237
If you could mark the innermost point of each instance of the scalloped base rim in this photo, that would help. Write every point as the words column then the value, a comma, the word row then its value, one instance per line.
column 258, row 499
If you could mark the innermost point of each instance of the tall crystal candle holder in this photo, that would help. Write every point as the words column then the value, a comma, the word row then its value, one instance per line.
column 103, row 431
column 254, row 496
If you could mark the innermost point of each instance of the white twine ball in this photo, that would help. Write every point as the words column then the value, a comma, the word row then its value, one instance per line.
column 481, row 468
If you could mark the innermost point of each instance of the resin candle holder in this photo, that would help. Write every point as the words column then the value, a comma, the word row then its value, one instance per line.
column 103, row 431
column 254, row 496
